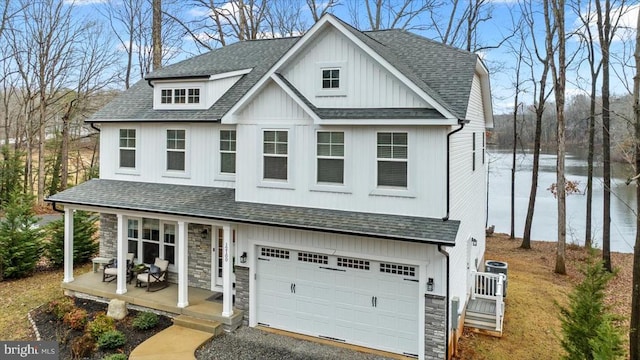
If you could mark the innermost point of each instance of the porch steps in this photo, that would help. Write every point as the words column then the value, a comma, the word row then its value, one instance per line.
column 209, row 326
column 480, row 321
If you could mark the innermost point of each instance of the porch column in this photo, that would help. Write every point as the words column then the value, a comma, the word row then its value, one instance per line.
column 227, row 290
column 121, row 255
column 68, row 245
column 183, row 269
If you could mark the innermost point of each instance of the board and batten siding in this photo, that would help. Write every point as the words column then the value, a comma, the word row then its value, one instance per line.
column 368, row 84
column 273, row 104
column 202, row 154
column 468, row 195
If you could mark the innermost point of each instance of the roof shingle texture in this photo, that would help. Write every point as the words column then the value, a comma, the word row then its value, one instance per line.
column 220, row 204
column 443, row 72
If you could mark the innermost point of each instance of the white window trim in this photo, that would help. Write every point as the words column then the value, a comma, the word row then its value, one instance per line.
column 409, row 191
column 186, row 173
column 342, row 90
column 345, row 187
column 157, row 96
column 275, row 183
column 219, row 175
column 140, row 241
column 127, row 170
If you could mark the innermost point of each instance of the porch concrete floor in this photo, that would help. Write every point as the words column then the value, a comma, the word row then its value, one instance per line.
column 164, row 300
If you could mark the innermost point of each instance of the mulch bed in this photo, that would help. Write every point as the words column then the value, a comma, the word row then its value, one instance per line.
column 52, row 329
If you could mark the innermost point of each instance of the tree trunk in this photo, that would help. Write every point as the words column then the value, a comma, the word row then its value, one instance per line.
column 157, row 34
column 526, row 236
column 634, row 334
column 512, row 235
column 589, row 190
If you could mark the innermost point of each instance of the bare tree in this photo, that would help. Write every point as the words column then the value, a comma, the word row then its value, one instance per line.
column 285, row 18
column 390, row 14
column 634, row 331
column 554, row 24
column 156, row 30
column 518, row 54
column 319, row 8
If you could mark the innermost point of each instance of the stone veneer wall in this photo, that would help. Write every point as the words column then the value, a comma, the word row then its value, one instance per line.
column 108, row 235
column 199, row 267
column 434, row 327
column 242, row 292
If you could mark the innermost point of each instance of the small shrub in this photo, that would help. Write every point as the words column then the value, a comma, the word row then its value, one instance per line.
column 83, row 346
column 60, row 307
column 145, row 321
column 100, row 325
column 111, row 339
column 115, row 357
column 76, row 318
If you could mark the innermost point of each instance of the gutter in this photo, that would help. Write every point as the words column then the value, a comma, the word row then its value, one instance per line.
column 446, row 298
column 53, row 206
column 462, row 123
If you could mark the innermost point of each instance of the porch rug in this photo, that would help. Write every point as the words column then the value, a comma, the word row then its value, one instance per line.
column 216, row 297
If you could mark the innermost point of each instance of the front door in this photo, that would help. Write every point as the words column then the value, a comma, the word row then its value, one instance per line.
column 216, row 259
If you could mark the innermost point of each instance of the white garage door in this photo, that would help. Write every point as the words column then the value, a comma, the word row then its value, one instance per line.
column 357, row 301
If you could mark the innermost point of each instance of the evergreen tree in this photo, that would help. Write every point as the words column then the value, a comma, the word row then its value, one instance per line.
column 20, row 238
column 587, row 324
column 11, row 173
column 85, row 244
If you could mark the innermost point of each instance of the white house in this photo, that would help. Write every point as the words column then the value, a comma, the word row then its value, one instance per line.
column 335, row 183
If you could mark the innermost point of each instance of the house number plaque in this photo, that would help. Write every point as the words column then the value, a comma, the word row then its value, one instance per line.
column 226, row 252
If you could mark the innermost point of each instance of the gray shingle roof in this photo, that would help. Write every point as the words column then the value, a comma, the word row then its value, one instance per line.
column 219, row 204
column 443, row 72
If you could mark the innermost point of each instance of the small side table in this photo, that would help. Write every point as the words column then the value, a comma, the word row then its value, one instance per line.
column 99, row 262
column 135, row 270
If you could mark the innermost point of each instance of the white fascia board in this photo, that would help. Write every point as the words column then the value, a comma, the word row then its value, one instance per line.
column 230, row 74
column 485, row 87
column 393, row 122
column 295, row 98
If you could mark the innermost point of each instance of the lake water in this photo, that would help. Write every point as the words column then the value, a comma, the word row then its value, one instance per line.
column 545, row 223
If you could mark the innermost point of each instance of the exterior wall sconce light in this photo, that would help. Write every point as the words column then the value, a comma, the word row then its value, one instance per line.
column 474, row 241
column 430, row 284
column 243, row 257
column 204, row 233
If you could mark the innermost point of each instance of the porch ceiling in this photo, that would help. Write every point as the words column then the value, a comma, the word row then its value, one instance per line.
column 220, row 204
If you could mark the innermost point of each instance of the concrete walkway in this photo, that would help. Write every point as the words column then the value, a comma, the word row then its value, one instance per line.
column 174, row 342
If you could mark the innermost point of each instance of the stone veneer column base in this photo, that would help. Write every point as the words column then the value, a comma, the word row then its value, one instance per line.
column 242, row 292
column 434, row 327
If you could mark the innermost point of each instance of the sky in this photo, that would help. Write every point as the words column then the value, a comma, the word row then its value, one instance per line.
column 500, row 61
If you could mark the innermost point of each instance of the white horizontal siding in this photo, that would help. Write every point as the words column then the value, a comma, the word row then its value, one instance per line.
column 202, row 154
column 426, row 164
column 367, row 83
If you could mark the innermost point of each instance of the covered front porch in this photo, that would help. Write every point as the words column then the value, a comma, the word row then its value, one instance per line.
column 203, row 304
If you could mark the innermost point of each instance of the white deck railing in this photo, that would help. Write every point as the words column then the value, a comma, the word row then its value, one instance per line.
column 490, row 286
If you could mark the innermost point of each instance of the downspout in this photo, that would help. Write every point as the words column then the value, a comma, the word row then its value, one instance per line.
column 446, row 311
column 53, row 206
column 94, row 127
column 462, row 123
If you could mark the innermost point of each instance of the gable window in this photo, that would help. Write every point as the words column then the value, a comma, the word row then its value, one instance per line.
column 275, row 151
column 228, row 151
column 392, row 159
column 330, row 152
column 128, row 148
column 331, row 78
column 180, row 96
column 194, row 96
column 151, row 238
column 176, row 150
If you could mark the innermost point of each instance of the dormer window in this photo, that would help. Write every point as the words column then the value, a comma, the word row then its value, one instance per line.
column 180, row 96
column 331, row 78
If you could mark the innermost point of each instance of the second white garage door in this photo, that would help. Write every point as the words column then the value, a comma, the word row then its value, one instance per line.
column 357, row 301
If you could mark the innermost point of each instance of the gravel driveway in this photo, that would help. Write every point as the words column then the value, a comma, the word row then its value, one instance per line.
column 250, row 344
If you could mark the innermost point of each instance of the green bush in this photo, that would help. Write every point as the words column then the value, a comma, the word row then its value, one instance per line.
column 588, row 332
column 82, row 346
column 60, row 307
column 115, row 357
column 100, row 325
column 85, row 244
column 145, row 321
column 20, row 238
column 111, row 339
column 76, row 318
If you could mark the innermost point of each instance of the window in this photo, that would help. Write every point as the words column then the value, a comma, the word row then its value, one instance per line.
column 392, row 159
column 165, row 96
column 330, row 152
column 176, row 150
column 228, row 151
column 473, row 152
column 194, row 96
column 127, row 148
column 151, row 238
column 275, row 150
column 330, row 78
column 179, row 96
